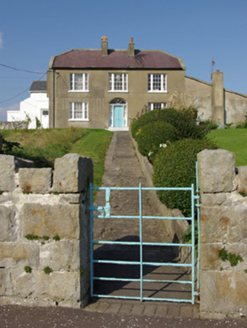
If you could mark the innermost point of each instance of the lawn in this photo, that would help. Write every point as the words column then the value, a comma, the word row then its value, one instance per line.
column 234, row 140
column 45, row 145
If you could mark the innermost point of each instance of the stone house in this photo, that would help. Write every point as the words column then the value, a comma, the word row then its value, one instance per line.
column 36, row 106
column 107, row 88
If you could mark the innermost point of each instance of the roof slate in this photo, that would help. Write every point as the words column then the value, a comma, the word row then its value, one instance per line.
column 116, row 59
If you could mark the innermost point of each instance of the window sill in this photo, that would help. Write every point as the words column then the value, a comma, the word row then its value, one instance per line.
column 78, row 120
column 120, row 91
column 78, row 91
column 158, row 91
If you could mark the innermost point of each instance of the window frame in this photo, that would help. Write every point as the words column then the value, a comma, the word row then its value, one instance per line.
column 163, row 83
column 84, row 111
column 84, row 82
column 151, row 105
column 112, row 82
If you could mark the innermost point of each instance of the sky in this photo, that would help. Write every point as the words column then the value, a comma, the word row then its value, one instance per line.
column 198, row 31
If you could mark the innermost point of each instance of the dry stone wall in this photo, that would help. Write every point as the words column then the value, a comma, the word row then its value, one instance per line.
column 13, row 125
column 44, row 235
column 223, row 284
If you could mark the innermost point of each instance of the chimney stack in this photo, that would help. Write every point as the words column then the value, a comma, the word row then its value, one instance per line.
column 131, row 48
column 104, row 46
column 217, row 98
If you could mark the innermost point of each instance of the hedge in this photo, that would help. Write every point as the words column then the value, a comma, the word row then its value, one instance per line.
column 155, row 135
column 174, row 166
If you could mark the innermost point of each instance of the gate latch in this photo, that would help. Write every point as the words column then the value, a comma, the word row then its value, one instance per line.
column 104, row 210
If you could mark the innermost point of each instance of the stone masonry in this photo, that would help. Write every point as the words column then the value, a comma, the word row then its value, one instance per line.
column 223, row 290
column 49, row 207
column 13, row 125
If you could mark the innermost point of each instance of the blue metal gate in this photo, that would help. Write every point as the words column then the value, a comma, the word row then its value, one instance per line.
column 191, row 280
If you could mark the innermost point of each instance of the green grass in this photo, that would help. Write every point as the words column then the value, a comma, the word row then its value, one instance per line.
column 45, row 145
column 234, row 140
column 94, row 145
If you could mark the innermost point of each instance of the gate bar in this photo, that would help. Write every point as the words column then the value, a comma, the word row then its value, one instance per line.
column 141, row 243
column 140, row 236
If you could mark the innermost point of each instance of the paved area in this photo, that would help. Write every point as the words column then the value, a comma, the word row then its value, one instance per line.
column 57, row 317
column 150, row 309
column 122, row 169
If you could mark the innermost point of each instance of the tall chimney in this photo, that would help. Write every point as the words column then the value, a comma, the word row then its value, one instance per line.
column 217, row 98
column 131, row 48
column 104, row 46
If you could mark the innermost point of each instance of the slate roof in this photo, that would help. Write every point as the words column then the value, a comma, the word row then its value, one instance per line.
column 38, row 86
column 116, row 59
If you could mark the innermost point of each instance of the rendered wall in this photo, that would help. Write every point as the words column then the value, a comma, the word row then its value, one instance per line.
column 99, row 97
column 199, row 93
column 45, row 204
column 223, row 289
column 236, row 105
column 30, row 108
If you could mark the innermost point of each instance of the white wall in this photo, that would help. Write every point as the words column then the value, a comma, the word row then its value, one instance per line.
column 31, row 107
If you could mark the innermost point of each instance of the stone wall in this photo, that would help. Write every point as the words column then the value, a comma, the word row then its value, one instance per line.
column 13, row 125
column 45, row 227
column 223, row 228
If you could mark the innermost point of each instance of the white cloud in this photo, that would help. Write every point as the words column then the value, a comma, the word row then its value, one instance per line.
column 1, row 40
column 3, row 111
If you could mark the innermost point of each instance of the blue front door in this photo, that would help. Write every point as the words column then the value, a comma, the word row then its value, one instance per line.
column 118, row 116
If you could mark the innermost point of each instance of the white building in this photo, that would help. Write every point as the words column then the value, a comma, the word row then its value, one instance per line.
column 34, row 109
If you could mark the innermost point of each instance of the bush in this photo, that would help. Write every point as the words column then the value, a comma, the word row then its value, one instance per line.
column 208, row 125
column 153, row 135
column 183, row 120
column 149, row 117
column 174, row 166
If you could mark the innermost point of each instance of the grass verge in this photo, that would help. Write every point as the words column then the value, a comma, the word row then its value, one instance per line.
column 94, row 145
column 234, row 140
column 45, row 145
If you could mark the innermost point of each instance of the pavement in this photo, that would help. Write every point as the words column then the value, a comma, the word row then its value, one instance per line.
column 14, row 316
column 121, row 169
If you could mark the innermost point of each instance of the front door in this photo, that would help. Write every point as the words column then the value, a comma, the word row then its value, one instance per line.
column 45, row 119
column 118, row 116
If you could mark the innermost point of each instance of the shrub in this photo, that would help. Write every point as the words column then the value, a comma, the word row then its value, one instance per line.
column 155, row 134
column 174, row 166
column 144, row 119
column 183, row 120
column 208, row 125
column 9, row 145
column 187, row 126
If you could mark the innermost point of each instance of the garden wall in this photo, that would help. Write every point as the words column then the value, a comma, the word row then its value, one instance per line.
column 223, row 278
column 45, row 228
column 13, row 125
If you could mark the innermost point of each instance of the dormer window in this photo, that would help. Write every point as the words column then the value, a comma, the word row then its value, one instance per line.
column 78, row 82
